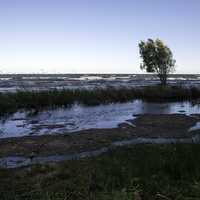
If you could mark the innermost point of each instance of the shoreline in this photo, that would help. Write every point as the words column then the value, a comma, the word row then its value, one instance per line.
column 173, row 126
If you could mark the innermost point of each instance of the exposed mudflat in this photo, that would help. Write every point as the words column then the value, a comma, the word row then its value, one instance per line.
column 175, row 126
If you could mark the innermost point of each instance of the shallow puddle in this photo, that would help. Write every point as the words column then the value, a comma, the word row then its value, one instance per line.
column 195, row 128
column 79, row 117
column 21, row 161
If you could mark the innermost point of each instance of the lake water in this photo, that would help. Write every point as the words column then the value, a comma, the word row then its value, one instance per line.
column 12, row 83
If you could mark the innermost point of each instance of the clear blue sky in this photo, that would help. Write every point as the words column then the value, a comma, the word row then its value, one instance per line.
column 97, row 36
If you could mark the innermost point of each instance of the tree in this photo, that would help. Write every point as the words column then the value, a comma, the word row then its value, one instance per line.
column 157, row 58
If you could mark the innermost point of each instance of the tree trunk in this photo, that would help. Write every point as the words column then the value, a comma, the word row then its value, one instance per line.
column 163, row 79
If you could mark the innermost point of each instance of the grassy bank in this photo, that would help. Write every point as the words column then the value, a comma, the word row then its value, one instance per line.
column 11, row 102
column 149, row 171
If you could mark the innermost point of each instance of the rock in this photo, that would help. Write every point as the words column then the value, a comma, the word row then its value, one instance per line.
column 137, row 196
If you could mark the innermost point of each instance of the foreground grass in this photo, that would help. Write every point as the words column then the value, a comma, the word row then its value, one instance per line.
column 37, row 100
column 148, row 171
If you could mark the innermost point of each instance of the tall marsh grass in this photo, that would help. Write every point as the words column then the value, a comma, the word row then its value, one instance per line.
column 37, row 100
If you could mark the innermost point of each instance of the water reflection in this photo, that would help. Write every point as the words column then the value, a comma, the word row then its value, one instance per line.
column 155, row 108
column 79, row 117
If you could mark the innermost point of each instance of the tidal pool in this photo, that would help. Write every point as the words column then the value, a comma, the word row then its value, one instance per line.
column 79, row 117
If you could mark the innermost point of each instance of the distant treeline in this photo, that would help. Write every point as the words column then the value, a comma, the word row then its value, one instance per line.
column 38, row 100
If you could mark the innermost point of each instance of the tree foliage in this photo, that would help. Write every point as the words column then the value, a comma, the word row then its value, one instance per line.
column 157, row 58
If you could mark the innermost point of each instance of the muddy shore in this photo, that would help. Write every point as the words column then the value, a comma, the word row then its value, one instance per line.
column 144, row 126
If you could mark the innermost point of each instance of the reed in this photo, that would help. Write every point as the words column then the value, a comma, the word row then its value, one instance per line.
column 38, row 100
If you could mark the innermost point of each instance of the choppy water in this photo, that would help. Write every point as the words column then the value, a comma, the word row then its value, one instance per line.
column 79, row 117
column 12, row 83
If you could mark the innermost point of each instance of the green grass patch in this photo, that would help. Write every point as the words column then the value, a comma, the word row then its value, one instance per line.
column 152, row 171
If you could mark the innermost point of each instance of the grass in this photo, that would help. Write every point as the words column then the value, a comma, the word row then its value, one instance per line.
column 37, row 100
column 150, row 171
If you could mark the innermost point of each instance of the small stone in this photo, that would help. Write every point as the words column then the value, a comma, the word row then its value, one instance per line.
column 137, row 196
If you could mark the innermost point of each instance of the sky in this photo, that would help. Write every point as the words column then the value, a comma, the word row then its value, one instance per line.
column 95, row 36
